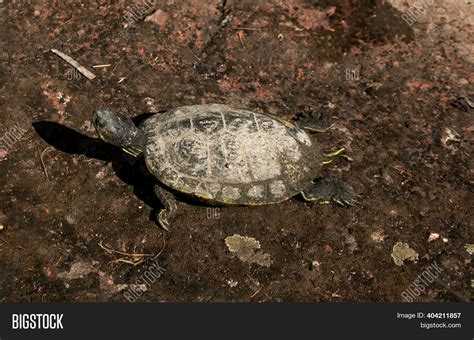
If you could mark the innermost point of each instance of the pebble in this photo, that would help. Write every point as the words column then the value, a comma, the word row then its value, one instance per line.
column 232, row 283
column 101, row 174
column 3, row 153
column 433, row 236
column 469, row 248
column 160, row 18
column 378, row 236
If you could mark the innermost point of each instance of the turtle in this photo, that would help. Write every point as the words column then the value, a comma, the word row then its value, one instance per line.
column 226, row 156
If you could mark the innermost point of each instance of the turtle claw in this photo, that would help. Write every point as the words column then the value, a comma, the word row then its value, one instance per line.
column 354, row 202
column 334, row 153
column 347, row 196
column 167, row 199
column 328, row 156
column 162, row 220
column 348, row 202
column 331, row 189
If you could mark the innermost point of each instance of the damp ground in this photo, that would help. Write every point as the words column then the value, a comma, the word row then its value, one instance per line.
column 76, row 214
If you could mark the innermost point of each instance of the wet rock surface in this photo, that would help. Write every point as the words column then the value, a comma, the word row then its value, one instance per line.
column 396, row 93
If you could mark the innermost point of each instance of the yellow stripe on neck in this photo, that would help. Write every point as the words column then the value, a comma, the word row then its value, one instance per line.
column 132, row 151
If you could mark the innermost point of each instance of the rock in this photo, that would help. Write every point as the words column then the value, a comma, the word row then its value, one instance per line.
column 328, row 249
column 70, row 219
column 101, row 174
column 433, row 236
column 88, row 126
column 122, row 286
column 3, row 154
column 232, row 283
column 378, row 236
column 150, row 103
column 449, row 138
column 311, row 19
column 351, row 243
column 106, row 282
column 159, row 18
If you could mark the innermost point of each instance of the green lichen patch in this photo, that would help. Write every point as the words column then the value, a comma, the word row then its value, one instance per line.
column 247, row 250
column 401, row 252
column 469, row 248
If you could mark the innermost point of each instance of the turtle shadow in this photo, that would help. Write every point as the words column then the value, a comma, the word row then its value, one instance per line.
column 70, row 141
column 129, row 169
column 126, row 167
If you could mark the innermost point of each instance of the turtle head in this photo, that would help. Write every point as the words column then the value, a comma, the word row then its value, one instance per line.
column 118, row 130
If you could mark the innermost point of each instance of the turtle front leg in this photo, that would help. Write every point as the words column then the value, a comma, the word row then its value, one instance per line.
column 330, row 189
column 169, row 202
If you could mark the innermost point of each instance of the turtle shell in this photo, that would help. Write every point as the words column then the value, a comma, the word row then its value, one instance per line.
column 230, row 156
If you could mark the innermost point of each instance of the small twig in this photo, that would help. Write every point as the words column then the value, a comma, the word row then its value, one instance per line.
column 402, row 170
column 256, row 283
column 194, row 55
column 162, row 249
column 136, row 258
column 133, row 262
column 110, row 250
column 256, row 292
column 41, row 155
column 116, row 64
column 253, row 280
column 64, row 23
column 59, row 260
column 88, row 74
column 240, row 39
column 103, row 65
column 121, row 79
column 248, row 29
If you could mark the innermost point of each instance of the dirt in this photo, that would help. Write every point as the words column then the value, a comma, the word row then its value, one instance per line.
column 398, row 95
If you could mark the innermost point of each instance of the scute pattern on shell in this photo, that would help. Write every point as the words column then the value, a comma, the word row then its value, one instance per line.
column 229, row 155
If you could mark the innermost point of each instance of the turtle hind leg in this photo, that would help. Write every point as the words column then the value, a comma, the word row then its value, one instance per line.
column 314, row 122
column 169, row 202
column 326, row 190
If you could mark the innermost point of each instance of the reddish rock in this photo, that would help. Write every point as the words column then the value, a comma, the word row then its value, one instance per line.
column 159, row 18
